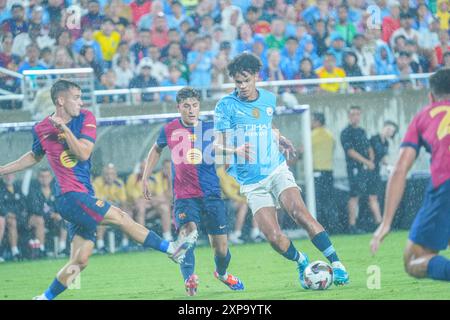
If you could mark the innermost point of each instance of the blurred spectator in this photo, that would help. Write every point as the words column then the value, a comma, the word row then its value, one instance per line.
column 306, row 72
column 206, row 25
column 93, row 18
column 140, row 48
column 359, row 156
column 337, row 46
column 87, row 39
column 442, row 47
column 321, row 37
column 174, row 79
column 87, row 59
column 220, row 72
column 323, row 145
column 290, row 58
column 244, row 41
column 259, row 49
column 109, row 40
column 380, row 147
column 405, row 8
column 446, row 63
column 124, row 72
column 109, row 187
column 37, row 17
column 384, row 65
column 345, row 26
column 315, row 12
column 177, row 16
column 173, row 35
column 429, row 38
column 11, row 62
column 351, row 68
column 424, row 18
column 119, row 13
column 276, row 38
column 291, row 20
column 200, row 65
column 12, row 213
column 419, row 63
column 217, row 40
column 443, row 14
column 139, row 8
column 147, row 20
column 230, row 189
column 403, row 70
column 188, row 40
column 392, row 22
column 232, row 18
column 123, row 51
column 5, row 13
column 329, row 70
column 62, row 60
column 108, row 82
column 272, row 71
column 406, row 30
column 159, row 69
column 144, row 80
column 17, row 23
column 159, row 31
column 32, row 59
column 64, row 40
column 365, row 58
column 175, row 57
column 258, row 24
column 43, row 214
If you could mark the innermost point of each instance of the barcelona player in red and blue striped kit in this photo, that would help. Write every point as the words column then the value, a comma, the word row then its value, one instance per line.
column 67, row 138
column 430, row 231
column 195, row 184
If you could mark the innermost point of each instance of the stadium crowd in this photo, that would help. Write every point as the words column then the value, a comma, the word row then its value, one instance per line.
column 141, row 43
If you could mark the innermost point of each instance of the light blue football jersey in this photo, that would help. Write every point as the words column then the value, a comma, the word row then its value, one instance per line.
column 249, row 122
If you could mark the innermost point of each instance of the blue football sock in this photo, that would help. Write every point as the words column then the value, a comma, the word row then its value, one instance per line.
column 156, row 242
column 54, row 290
column 222, row 263
column 188, row 265
column 439, row 268
column 323, row 243
column 291, row 253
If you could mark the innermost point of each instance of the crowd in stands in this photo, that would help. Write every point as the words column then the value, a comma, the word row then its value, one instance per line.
column 142, row 43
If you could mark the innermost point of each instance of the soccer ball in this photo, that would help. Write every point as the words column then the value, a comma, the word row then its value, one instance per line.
column 318, row 275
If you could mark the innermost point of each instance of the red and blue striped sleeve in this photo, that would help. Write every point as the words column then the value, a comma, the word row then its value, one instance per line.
column 412, row 137
column 89, row 127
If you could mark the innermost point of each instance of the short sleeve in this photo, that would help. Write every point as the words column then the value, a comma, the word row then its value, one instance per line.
column 222, row 117
column 346, row 141
column 162, row 138
column 37, row 146
column 89, row 127
column 412, row 136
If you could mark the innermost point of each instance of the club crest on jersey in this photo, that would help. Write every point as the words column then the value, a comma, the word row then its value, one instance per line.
column 68, row 160
column 182, row 216
column 61, row 137
column 255, row 113
column 194, row 156
column 100, row 203
column 192, row 137
column 269, row 111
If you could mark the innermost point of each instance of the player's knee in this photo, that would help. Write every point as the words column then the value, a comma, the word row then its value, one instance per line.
column 275, row 238
column 411, row 268
column 82, row 261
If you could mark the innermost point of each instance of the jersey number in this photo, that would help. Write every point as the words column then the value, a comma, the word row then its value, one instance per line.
column 444, row 126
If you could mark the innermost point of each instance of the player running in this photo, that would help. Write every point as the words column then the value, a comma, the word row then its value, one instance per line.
column 430, row 231
column 195, row 184
column 247, row 140
column 67, row 137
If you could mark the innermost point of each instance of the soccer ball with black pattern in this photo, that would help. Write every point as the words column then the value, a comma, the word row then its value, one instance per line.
column 318, row 275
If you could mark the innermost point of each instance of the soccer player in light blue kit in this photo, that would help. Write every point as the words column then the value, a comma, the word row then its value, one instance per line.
column 249, row 144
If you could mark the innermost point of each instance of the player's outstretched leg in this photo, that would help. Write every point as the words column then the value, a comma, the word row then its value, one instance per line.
column 222, row 257
column 176, row 250
column 421, row 262
column 294, row 205
column 187, row 266
column 266, row 219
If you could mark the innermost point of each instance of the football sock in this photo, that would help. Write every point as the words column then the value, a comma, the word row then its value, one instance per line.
column 54, row 290
column 100, row 244
column 14, row 251
column 323, row 243
column 62, row 245
column 188, row 265
column 439, row 268
column 156, row 242
column 293, row 254
column 222, row 263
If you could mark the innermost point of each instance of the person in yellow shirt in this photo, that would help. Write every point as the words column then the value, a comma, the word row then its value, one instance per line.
column 230, row 189
column 323, row 144
column 109, row 40
column 109, row 187
column 443, row 14
column 329, row 70
column 161, row 187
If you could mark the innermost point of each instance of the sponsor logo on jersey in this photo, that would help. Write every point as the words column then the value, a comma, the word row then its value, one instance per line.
column 68, row 160
column 194, row 156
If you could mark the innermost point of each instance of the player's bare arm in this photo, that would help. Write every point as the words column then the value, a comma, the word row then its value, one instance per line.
column 352, row 153
column 286, row 145
column 28, row 160
column 394, row 193
column 152, row 159
column 81, row 148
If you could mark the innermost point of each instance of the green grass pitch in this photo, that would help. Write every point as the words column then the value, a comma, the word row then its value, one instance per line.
column 266, row 275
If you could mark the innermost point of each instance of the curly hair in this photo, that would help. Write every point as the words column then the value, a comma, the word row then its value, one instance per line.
column 244, row 62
